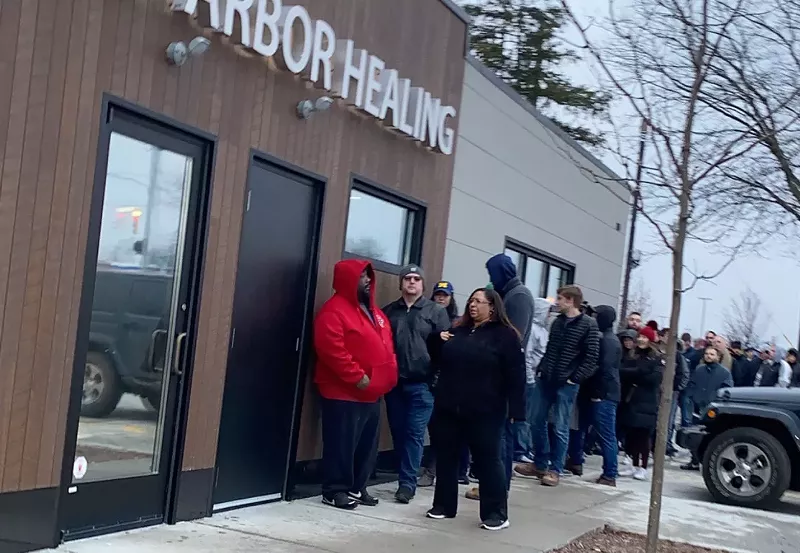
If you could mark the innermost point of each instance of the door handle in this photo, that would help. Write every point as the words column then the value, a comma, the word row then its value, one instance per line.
column 151, row 361
column 176, row 367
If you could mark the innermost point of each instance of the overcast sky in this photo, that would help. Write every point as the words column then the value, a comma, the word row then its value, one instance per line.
column 772, row 275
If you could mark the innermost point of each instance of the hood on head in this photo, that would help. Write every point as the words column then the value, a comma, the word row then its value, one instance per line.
column 605, row 315
column 501, row 270
column 630, row 333
column 780, row 355
column 541, row 310
column 346, row 274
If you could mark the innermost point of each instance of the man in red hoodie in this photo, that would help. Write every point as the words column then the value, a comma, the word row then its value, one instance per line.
column 356, row 366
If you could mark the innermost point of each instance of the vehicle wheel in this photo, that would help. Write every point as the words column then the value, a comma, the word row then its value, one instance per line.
column 152, row 402
column 102, row 388
column 746, row 467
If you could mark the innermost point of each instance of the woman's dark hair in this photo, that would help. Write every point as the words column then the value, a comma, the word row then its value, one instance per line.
column 498, row 316
column 452, row 307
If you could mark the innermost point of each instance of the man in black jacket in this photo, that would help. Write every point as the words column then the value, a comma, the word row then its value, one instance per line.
column 571, row 358
column 602, row 391
column 414, row 319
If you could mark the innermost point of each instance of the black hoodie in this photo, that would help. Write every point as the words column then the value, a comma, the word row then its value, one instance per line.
column 604, row 384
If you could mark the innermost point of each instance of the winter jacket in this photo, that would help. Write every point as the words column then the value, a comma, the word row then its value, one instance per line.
column 641, row 374
column 795, row 383
column 604, row 384
column 572, row 350
column 537, row 343
column 776, row 372
column 744, row 370
column 682, row 376
column 481, row 371
column 349, row 345
column 706, row 381
column 517, row 299
column 412, row 327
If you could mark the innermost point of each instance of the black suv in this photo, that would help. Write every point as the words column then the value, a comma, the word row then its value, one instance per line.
column 749, row 444
column 127, row 338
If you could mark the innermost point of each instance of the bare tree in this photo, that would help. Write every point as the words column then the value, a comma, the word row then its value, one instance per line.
column 743, row 318
column 639, row 299
column 672, row 63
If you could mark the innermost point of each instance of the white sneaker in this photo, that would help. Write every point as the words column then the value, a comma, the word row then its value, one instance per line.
column 525, row 459
column 625, row 471
column 626, row 460
column 639, row 473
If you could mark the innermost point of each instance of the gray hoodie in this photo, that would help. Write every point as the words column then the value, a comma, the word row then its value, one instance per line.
column 537, row 343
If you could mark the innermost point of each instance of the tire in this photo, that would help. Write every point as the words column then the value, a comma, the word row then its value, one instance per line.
column 102, row 388
column 746, row 444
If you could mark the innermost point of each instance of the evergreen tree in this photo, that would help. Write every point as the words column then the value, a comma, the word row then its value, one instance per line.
column 518, row 40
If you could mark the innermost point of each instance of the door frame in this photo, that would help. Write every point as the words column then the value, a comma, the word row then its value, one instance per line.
column 111, row 104
column 320, row 185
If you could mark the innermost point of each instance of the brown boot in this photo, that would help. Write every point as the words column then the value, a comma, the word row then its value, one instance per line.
column 550, row 479
column 474, row 494
column 528, row 470
column 606, row 482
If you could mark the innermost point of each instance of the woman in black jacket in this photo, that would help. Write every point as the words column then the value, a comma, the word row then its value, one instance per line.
column 640, row 375
column 481, row 384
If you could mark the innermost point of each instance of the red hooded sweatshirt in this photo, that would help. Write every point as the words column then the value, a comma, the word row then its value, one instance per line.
column 349, row 345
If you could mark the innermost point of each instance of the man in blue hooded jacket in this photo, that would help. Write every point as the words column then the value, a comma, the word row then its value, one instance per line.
column 518, row 302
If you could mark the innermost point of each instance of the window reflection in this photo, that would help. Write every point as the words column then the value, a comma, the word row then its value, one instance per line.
column 378, row 229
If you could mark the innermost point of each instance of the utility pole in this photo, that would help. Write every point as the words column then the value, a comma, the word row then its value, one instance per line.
column 703, row 314
column 626, row 285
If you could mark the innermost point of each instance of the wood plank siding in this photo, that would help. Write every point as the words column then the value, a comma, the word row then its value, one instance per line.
column 57, row 59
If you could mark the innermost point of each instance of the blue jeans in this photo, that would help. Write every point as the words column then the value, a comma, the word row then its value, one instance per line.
column 687, row 408
column 602, row 417
column 408, row 408
column 561, row 399
column 523, row 443
column 672, row 413
column 507, row 451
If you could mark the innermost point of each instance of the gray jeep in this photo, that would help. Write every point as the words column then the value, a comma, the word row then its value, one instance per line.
column 748, row 441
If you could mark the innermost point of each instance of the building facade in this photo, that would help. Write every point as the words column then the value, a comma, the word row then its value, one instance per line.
column 177, row 180
column 522, row 187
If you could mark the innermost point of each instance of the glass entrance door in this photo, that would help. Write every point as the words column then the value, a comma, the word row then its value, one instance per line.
column 135, row 320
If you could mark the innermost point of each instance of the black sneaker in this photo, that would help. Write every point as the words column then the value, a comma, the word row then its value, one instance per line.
column 364, row 498
column 404, row 495
column 438, row 514
column 690, row 466
column 577, row 470
column 464, row 480
column 495, row 524
column 341, row 501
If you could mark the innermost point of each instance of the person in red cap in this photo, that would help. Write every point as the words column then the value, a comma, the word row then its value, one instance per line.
column 640, row 374
column 356, row 366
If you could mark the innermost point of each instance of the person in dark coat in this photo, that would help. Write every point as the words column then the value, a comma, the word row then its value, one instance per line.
column 414, row 319
column 679, row 384
column 641, row 375
column 602, row 393
column 743, row 369
column 706, row 381
column 480, row 386
column 791, row 359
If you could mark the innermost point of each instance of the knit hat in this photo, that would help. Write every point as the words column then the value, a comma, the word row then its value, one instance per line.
column 648, row 332
column 653, row 325
column 411, row 270
column 444, row 287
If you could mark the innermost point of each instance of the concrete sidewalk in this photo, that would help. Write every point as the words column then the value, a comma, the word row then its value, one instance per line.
column 541, row 519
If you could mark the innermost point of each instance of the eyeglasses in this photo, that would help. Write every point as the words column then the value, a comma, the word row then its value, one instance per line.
column 480, row 302
column 412, row 278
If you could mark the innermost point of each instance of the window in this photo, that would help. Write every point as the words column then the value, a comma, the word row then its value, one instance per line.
column 383, row 227
column 543, row 274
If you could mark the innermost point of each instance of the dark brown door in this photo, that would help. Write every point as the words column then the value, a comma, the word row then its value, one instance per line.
column 273, row 281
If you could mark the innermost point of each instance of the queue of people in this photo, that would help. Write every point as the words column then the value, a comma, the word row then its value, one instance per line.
column 513, row 386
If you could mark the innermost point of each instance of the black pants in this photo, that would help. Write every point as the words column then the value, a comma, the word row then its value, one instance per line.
column 350, row 432
column 483, row 436
column 637, row 445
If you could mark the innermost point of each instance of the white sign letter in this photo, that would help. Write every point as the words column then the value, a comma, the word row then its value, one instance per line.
column 390, row 97
column 324, row 46
column 430, row 119
column 374, row 70
column 295, row 57
column 446, row 134
column 232, row 7
column 210, row 13
column 265, row 19
column 350, row 63
column 415, row 98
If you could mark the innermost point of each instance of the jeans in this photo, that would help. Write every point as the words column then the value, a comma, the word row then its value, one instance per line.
column 507, row 452
column 408, row 408
column 604, row 420
column 561, row 399
column 483, row 436
column 687, row 408
column 350, row 432
column 523, row 443
column 672, row 413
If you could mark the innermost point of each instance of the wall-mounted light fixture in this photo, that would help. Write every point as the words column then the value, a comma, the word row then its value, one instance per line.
column 307, row 108
column 178, row 53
